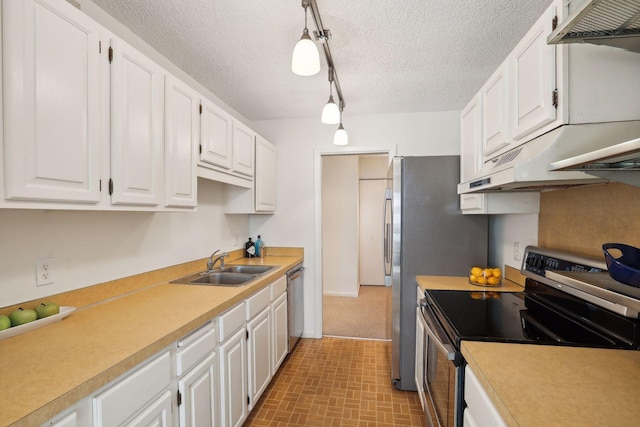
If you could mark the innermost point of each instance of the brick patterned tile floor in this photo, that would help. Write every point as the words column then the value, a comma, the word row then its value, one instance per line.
column 336, row 382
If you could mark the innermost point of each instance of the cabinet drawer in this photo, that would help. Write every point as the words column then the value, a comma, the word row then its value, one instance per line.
column 480, row 407
column 195, row 347
column 258, row 302
column 278, row 288
column 230, row 321
column 123, row 399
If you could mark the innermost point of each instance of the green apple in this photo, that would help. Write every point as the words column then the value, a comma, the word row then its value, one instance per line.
column 5, row 322
column 47, row 309
column 20, row 316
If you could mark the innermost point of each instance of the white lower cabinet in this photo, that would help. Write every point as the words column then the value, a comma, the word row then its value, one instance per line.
column 156, row 414
column 480, row 411
column 198, row 391
column 211, row 377
column 259, row 343
column 280, row 330
column 232, row 335
column 136, row 394
column 234, row 406
column 79, row 415
column 198, row 381
column 260, row 353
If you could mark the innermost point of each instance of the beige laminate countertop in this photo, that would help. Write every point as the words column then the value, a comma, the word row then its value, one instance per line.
column 535, row 385
column 455, row 283
column 44, row 371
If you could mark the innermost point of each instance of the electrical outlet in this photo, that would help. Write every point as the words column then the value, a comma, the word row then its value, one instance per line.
column 44, row 271
column 236, row 240
column 516, row 251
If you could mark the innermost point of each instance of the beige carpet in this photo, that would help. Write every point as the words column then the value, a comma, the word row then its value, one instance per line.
column 367, row 316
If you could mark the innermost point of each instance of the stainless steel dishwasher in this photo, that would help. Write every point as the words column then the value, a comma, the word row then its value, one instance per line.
column 295, row 304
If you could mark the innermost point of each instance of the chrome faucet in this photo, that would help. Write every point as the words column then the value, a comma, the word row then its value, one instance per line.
column 212, row 261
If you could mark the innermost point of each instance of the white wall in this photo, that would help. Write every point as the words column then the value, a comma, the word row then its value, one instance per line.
column 298, row 143
column 340, row 225
column 505, row 231
column 95, row 247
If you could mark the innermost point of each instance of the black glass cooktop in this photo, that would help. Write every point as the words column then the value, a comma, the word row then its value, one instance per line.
column 542, row 316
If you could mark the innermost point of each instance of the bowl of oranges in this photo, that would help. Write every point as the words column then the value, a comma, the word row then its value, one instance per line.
column 485, row 276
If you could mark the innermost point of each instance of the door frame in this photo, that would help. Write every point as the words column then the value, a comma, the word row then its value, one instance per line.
column 317, row 195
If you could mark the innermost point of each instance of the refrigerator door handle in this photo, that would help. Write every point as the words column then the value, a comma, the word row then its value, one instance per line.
column 387, row 236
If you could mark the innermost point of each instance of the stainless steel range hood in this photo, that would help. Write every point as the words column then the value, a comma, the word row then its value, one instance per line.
column 605, row 22
column 527, row 167
column 620, row 163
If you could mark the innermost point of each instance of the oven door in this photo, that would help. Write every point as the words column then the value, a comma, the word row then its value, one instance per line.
column 442, row 375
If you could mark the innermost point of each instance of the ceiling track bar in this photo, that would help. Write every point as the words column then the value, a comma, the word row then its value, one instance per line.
column 323, row 36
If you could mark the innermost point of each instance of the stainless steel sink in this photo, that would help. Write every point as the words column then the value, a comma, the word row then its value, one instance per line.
column 247, row 269
column 232, row 275
column 224, row 279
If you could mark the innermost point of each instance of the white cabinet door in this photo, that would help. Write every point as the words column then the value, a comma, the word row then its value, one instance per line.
column 233, row 380
column 51, row 103
column 495, row 111
column 157, row 414
column 280, row 332
column 471, row 152
column 79, row 415
column 265, row 177
column 134, row 393
column 199, row 394
column 533, row 79
column 260, row 353
column 216, row 135
column 243, row 149
column 137, row 144
column 181, row 143
column 481, row 410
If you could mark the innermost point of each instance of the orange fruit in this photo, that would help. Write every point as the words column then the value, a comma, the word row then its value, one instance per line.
column 476, row 271
column 497, row 272
column 481, row 280
column 493, row 280
column 487, row 272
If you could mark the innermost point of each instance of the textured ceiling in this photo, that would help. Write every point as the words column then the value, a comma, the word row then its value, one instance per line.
column 391, row 56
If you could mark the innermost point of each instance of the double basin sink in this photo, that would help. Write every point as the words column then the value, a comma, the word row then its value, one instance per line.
column 233, row 275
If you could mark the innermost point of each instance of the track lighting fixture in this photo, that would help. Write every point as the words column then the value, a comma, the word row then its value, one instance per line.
column 341, row 137
column 331, row 112
column 305, row 60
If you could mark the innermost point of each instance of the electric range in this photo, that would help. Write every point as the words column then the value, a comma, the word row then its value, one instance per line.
column 568, row 299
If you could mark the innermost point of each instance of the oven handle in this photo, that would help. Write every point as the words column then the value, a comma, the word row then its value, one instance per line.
column 435, row 332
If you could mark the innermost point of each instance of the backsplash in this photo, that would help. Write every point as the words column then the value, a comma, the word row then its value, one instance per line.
column 581, row 219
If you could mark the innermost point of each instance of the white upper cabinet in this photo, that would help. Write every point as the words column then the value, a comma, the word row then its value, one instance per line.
column 243, row 149
column 216, row 127
column 51, row 102
column 181, row 143
column 495, row 106
column 533, row 79
column 265, row 178
column 137, row 144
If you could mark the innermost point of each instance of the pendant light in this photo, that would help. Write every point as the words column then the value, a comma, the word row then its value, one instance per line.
column 331, row 112
column 341, row 137
column 305, row 60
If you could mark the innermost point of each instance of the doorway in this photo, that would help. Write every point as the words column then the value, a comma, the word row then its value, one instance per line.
column 355, row 302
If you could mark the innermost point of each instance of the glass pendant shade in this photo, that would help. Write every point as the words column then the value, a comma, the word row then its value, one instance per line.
column 341, row 137
column 305, row 60
column 331, row 112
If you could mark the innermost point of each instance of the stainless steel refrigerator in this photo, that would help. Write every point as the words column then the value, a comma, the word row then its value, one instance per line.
column 425, row 233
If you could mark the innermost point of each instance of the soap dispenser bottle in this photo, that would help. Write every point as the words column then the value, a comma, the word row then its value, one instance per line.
column 258, row 245
column 249, row 249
